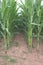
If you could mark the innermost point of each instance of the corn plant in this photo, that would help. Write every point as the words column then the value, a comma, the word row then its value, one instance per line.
column 9, row 15
column 12, row 17
column 30, row 9
column 38, row 9
column 27, row 14
column 37, row 19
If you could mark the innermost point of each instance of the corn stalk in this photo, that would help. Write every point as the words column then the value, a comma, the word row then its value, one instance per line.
column 38, row 9
column 27, row 19
column 29, row 5
column 4, row 6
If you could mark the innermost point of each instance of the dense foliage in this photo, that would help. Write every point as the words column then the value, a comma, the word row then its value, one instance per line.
column 28, row 21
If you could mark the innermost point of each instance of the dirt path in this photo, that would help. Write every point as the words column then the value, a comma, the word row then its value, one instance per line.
column 20, row 55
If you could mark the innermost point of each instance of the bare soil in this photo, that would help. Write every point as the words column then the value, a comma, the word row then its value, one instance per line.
column 19, row 54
